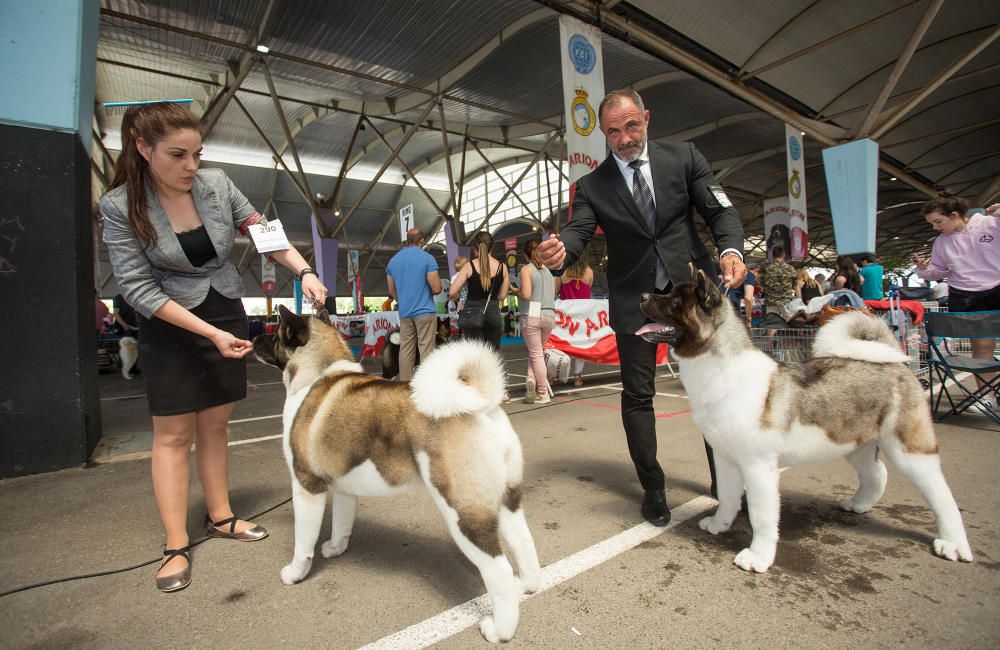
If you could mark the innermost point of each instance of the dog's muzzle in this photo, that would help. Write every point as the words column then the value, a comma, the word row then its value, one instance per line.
column 658, row 333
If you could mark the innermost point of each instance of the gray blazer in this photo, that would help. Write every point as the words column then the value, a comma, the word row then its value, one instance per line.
column 149, row 277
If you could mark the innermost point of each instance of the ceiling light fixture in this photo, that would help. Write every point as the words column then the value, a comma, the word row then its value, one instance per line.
column 263, row 49
column 892, row 178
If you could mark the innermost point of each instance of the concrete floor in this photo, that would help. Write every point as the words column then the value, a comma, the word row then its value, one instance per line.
column 840, row 580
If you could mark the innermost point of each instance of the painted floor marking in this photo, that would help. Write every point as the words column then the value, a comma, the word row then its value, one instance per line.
column 456, row 619
column 233, row 443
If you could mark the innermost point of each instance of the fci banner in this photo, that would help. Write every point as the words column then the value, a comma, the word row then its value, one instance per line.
column 798, row 221
column 582, row 331
column 268, row 276
column 583, row 90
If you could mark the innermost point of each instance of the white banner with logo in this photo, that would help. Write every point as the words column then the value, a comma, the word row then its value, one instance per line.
column 268, row 276
column 583, row 90
column 798, row 221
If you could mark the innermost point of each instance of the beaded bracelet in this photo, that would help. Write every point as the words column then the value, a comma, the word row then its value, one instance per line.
column 306, row 271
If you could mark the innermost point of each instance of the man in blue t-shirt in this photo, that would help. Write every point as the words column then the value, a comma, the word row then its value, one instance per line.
column 871, row 275
column 412, row 275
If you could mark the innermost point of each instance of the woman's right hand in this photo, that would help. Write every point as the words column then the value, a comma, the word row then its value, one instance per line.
column 231, row 347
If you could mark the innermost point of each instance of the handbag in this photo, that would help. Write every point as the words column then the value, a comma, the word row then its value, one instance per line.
column 471, row 316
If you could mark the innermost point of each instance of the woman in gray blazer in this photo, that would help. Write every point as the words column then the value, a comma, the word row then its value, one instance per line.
column 169, row 228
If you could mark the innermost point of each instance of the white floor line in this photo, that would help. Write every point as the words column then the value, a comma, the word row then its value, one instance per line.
column 456, row 619
column 118, row 397
column 233, row 443
column 263, row 417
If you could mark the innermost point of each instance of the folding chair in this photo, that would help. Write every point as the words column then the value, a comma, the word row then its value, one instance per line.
column 944, row 363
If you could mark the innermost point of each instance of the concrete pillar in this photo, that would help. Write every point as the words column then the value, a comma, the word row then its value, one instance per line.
column 50, row 407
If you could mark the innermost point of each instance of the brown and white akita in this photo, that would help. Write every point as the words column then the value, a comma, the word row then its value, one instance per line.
column 355, row 434
column 853, row 398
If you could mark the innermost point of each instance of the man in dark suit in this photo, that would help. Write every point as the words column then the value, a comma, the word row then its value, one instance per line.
column 651, row 239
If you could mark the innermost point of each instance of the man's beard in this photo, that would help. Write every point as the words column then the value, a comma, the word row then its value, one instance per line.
column 633, row 151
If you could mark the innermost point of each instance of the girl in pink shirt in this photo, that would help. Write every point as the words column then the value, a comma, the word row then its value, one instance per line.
column 967, row 253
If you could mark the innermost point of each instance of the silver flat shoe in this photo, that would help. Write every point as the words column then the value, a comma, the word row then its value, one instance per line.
column 179, row 580
column 254, row 534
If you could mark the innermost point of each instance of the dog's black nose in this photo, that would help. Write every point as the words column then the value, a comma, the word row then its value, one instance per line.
column 644, row 297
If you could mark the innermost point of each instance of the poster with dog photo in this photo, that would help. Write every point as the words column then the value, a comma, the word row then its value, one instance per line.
column 776, row 225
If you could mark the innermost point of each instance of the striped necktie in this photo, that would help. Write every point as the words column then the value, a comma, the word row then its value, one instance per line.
column 644, row 199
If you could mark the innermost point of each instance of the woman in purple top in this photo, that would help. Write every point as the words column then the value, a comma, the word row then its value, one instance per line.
column 967, row 253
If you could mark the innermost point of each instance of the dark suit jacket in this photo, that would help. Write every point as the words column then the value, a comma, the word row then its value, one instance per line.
column 681, row 179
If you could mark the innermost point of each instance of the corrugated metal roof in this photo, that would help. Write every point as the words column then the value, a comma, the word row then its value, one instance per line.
column 517, row 84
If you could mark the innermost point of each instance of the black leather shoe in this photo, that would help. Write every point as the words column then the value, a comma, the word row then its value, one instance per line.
column 654, row 508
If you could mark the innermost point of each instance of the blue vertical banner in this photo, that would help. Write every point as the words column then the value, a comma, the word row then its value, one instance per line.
column 852, row 184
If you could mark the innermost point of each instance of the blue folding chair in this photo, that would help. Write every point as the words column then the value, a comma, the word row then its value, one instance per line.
column 944, row 363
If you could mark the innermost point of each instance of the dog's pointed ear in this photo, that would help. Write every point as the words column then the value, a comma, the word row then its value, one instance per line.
column 324, row 316
column 294, row 329
column 706, row 291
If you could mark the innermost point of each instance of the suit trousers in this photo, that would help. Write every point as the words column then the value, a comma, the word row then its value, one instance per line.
column 638, row 371
column 418, row 332
column 638, row 368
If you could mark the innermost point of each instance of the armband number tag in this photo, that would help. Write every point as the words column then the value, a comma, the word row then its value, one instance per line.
column 269, row 236
column 720, row 196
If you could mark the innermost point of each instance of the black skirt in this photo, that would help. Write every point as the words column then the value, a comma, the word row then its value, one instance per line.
column 184, row 372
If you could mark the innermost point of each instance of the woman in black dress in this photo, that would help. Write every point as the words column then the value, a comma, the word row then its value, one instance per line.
column 170, row 228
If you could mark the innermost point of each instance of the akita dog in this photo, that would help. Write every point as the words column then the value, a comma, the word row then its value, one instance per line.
column 355, row 434
column 853, row 398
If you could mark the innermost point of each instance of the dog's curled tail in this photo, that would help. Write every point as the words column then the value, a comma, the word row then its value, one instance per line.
column 461, row 377
column 859, row 336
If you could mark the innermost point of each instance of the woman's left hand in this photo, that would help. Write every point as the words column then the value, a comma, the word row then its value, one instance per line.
column 314, row 290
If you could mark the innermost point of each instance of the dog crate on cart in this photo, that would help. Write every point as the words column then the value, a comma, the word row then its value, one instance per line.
column 785, row 345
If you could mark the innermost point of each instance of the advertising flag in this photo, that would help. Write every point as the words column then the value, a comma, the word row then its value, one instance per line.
column 798, row 222
column 583, row 90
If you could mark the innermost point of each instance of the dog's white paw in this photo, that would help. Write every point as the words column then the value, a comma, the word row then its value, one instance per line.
column 489, row 630
column 530, row 584
column 295, row 571
column 333, row 548
column 952, row 551
column 750, row 561
column 713, row 525
column 850, row 505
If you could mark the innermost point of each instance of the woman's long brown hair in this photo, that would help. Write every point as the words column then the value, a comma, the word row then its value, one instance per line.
column 577, row 269
column 149, row 123
column 483, row 242
column 529, row 252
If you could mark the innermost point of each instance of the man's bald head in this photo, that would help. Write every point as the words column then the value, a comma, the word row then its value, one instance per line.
column 414, row 236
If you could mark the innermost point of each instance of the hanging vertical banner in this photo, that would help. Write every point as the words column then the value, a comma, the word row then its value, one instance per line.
column 852, row 182
column 798, row 217
column 354, row 279
column 776, row 228
column 583, row 90
column 268, row 277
